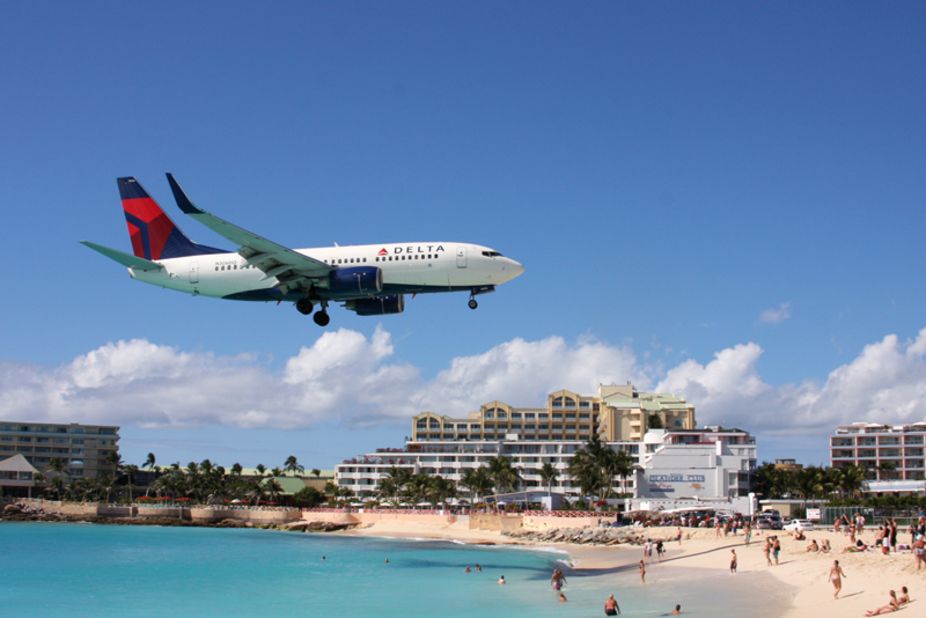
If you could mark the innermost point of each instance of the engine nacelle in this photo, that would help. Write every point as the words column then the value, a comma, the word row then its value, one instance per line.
column 356, row 280
column 382, row 305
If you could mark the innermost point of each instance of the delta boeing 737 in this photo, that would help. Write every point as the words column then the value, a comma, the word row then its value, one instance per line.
column 366, row 279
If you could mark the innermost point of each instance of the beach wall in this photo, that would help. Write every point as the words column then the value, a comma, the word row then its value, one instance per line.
column 539, row 523
column 338, row 516
column 202, row 515
column 495, row 522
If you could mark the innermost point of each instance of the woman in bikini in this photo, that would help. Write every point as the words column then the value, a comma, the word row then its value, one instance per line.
column 836, row 575
column 892, row 606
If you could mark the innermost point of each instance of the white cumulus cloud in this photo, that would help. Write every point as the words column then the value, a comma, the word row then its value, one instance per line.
column 349, row 377
column 775, row 315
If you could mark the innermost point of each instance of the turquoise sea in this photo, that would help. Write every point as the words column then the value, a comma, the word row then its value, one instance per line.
column 95, row 570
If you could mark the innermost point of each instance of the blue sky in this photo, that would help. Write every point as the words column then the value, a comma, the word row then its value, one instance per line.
column 665, row 171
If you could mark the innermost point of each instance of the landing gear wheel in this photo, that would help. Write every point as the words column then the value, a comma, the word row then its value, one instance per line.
column 472, row 303
column 304, row 306
column 321, row 318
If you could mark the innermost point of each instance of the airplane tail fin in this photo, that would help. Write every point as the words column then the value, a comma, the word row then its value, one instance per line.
column 154, row 236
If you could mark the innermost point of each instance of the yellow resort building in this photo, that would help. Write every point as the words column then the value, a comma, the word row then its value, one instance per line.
column 617, row 413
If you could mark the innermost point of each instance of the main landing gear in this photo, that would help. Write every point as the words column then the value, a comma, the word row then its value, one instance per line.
column 305, row 307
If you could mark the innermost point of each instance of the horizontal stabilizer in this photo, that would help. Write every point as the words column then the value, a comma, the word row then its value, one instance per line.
column 126, row 259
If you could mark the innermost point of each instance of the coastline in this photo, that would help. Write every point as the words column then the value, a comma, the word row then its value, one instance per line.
column 797, row 588
column 800, row 587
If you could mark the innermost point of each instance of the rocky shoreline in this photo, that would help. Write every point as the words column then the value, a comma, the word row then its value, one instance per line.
column 24, row 512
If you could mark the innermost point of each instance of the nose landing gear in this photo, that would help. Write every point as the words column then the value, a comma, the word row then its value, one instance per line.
column 485, row 289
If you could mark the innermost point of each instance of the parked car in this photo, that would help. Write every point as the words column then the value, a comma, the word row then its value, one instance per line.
column 768, row 523
column 799, row 524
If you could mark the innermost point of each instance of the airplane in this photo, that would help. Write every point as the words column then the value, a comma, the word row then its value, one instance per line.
column 366, row 279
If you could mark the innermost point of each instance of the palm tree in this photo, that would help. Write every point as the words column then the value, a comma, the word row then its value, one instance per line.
column 392, row 485
column 273, row 489
column 114, row 460
column 595, row 465
column 149, row 462
column 478, row 481
column 261, row 469
column 504, row 477
column 316, row 472
column 236, row 469
column 548, row 475
column 130, row 471
column 440, row 490
column 276, row 472
column 292, row 465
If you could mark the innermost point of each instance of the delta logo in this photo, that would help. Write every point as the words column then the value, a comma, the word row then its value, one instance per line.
column 412, row 249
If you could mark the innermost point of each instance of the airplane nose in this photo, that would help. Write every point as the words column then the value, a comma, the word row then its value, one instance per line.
column 516, row 269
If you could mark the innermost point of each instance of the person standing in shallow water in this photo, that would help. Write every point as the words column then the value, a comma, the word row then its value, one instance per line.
column 733, row 561
column 642, row 572
column 611, row 608
column 836, row 575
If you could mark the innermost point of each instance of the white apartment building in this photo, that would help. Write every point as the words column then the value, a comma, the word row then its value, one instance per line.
column 888, row 452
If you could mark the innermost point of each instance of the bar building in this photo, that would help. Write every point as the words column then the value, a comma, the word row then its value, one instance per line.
column 84, row 449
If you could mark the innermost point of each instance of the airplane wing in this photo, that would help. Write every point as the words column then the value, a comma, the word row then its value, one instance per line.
column 291, row 268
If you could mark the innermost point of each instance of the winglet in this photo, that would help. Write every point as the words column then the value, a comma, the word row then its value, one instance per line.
column 180, row 197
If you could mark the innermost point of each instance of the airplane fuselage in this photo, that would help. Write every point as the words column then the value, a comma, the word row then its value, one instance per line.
column 415, row 268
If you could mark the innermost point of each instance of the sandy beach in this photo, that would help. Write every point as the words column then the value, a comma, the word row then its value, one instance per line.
column 802, row 574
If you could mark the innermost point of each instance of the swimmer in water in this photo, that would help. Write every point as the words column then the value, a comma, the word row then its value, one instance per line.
column 501, row 581
column 562, row 598
column 611, row 608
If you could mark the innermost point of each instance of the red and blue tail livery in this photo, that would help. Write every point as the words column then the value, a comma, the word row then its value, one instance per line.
column 365, row 279
column 154, row 236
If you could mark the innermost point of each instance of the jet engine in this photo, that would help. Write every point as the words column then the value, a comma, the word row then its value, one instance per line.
column 356, row 280
column 392, row 303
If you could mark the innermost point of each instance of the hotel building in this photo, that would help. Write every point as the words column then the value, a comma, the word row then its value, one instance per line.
column 888, row 452
column 84, row 449
column 657, row 430
column 617, row 413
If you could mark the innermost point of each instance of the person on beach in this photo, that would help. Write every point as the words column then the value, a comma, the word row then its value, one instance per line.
column 642, row 572
column 767, row 550
column 733, row 561
column 919, row 551
column 501, row 581
column 826, row 547
column 836, row 575
column 678, row 535
column 660, row 550
column 813, row 546
column 892, row 606
column 747, row 532
column 776, row 549
column 904, row 596
column 611, row 608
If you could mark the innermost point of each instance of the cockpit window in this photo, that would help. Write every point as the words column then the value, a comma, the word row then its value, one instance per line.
column 491, row 254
